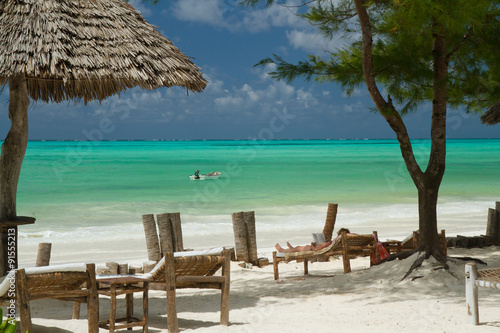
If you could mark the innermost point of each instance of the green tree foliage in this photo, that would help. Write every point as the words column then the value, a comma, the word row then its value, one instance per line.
column 403, row 36
column 443, row 52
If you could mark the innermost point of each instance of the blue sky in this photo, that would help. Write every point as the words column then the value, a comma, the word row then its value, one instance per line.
column 240, row 102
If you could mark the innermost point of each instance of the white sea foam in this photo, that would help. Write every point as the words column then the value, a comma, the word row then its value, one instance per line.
column 294, row 224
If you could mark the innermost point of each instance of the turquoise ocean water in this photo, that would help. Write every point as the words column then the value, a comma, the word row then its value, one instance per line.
column 99, row 189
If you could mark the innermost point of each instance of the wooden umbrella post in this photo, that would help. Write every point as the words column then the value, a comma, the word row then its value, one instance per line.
column 331, row 217
column 493, row 224
column 249, row 219
column 30, row 73
column 165, row 232
column 152, row 245
column 8, row 248
column 240, row 237
column 43, row 256
column 175, row 220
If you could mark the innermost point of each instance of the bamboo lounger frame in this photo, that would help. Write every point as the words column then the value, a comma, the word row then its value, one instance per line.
column 474, row 278
column 346, row 245
column 79, row 286
column 193, row 272
column 190, row 271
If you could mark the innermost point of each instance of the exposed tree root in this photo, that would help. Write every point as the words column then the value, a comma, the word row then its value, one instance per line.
column 438, row 255
column 441, row 258
column 415, row 265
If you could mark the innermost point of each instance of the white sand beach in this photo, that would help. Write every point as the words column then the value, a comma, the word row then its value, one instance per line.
column 366, row 300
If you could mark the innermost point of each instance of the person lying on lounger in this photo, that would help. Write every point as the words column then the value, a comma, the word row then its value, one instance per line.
column 305, row 248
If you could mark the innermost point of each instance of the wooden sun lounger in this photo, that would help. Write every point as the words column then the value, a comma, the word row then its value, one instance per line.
column 47, row 282
column 195, row 271
column 474, row 278
column 188, row 269
column 346, row 245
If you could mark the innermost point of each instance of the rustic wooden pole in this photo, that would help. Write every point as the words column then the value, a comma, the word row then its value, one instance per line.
column 112, row 311
column 152, row 245
column 249, row 219
column 493, row 226
column 172, row 324
column 175, row 220
column 471, row 293
column 76, row 310
column 113, row 267
column 345, row 253
column 122, row 269
column 145, row 307
column 497, row 222
column 23, row 299
column 129, row 301
column 444, row 244
column 240, row 237
column 92, row 300
column 165, row 232
column 43, row 256
column 375, row 250
column 224, row 302
column 331, row 217
column 275, row 266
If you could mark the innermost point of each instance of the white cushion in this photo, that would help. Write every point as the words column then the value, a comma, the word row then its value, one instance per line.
column 5, row 285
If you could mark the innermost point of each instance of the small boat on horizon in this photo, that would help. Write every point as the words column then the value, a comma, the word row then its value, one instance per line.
column 212, row 175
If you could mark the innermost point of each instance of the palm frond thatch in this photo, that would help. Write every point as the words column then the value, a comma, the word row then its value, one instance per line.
column 492, row 116
column 87, row 49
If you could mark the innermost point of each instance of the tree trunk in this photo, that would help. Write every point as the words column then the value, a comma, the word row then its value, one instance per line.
column 427, row 211
column 427, row 182
column 14, row 146
column 11, row 159
column 428, row 191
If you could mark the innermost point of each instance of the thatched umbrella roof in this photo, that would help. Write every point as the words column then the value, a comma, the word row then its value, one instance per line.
column 492, row 116
column 87, row 49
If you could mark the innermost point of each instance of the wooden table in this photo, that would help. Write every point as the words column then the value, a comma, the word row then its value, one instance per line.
column 124, row 285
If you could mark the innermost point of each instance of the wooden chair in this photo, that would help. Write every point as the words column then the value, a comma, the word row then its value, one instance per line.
column 63, row 282
column 347, row 245
column 474, row 278
column 192, row 270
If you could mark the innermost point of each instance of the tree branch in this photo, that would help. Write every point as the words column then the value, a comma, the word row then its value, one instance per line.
column 462, row 42
column 385, row 109
column 437, row 157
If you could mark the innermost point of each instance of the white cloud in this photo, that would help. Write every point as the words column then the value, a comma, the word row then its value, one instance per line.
column 355, row 107
column 306, row 98
column 139, row 6
column 311, row 41
column 234, row 17
column 263, row 71
column 206, row 11
column 257, row 20
column 228, row 101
